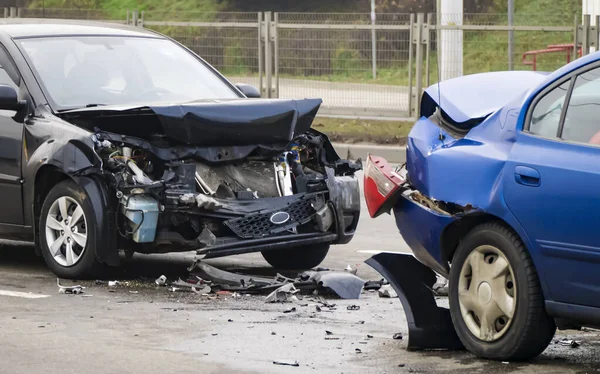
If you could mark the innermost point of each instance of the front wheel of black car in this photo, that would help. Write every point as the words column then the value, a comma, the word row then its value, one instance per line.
column 496, row 301
column 300, row 258
column 68, row 232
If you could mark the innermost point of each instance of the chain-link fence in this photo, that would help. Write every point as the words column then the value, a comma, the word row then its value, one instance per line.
column 358, row 65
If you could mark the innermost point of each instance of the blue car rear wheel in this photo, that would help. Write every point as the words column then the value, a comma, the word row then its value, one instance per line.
column 496, row 301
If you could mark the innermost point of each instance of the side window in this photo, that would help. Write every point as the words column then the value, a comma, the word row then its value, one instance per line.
column 582, row 119
column 9, row 74
column 545, row 118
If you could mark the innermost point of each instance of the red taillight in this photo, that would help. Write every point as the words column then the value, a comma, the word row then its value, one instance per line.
column 381, row 183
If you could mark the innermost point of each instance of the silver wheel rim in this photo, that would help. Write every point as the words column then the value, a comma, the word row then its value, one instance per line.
column 66, row 231
column 487, row 293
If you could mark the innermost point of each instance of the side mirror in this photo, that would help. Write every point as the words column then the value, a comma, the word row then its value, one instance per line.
column 9, row 100
column 249, row 91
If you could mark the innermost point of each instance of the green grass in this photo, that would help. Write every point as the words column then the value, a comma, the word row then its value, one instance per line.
column 363, row 131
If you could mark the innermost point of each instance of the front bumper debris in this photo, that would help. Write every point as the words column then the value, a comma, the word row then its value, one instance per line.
column 429, row 326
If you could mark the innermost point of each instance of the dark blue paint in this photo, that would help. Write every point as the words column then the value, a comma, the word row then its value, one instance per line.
column 547, row 191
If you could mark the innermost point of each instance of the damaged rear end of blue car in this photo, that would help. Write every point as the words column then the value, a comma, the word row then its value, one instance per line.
column 460, row 204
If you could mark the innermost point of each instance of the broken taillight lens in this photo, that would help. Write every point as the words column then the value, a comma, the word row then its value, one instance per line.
column 381, row 185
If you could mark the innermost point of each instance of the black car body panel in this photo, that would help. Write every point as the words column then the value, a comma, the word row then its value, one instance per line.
column 207, row 123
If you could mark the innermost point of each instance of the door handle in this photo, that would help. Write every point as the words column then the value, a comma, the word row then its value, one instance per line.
column 527, row 176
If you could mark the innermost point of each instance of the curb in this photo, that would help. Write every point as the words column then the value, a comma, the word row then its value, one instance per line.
column 393, row 154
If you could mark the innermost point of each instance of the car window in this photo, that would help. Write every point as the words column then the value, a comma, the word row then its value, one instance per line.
column 582, row 119
column 81, row 71
column 8, row 72
column 546, row 114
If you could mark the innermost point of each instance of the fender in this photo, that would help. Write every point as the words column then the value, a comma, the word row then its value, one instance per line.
column 72, row 158
column 103, row 204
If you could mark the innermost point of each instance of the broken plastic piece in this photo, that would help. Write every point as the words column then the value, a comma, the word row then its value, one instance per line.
column 387, row 291
column 429, row 326
column 398, row 336
column 161, row 281
column 221, row 277
column 345, row 285
column 569, row 343
column 113, row 283
column 353, row 307
column 75, row 290
column 286, row 363
column 207, row 202
column 281, row 294
column 351, row 270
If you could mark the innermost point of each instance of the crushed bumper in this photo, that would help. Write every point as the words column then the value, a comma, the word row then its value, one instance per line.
column 429, row 326
column 422, row 228
column 343, row 208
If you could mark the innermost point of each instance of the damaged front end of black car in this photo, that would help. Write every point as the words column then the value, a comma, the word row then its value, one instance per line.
column 222, row 177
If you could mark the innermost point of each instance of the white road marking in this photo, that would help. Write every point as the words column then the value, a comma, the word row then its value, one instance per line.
column 23, row 295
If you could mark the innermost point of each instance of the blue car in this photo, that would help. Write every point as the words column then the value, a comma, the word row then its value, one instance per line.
column 501, row 195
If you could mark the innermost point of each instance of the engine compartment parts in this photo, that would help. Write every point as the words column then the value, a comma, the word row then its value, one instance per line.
column 141, row 212
column 295, row 193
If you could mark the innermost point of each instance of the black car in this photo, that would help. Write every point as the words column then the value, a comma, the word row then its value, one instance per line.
column 117, row 138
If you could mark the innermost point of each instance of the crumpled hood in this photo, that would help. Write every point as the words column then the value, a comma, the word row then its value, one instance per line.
column 208, row 122
column 478, row 95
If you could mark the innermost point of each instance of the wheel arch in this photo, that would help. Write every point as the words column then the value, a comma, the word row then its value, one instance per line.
column 103, row 203
column 457, row 230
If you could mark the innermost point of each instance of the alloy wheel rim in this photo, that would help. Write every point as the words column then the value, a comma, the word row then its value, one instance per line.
column 487, row 293
column 66, row 231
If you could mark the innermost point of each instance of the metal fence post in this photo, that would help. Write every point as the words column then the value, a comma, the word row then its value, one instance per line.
column 410, row 66
column 13, row 12
column 511, row 35
column 127, row 17
column 585, row 40
column 427, row 41
column 268, row 55
column 374, row 39
column 418, row 41
column 261, row 57
column 141, row 22
column 134, row 17
column 576, row 39
column 5, row 12
column 275, row 36
column 19, row 12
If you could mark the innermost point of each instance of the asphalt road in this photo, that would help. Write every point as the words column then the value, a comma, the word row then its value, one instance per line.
column 139, row 328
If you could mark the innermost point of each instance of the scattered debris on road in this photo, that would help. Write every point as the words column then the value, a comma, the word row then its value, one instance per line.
column 328, row 332
column 569, row 343
column 75, row 290
column 440, row 288
column 387, row 291
column 161, row 281
column 345, row 284
column 351, row 270
column 290, row 310
column 286, row 363
column 353, row 307
column 282, row 294
column 398, row 336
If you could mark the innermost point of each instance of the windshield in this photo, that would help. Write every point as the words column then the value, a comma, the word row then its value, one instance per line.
column 88, row 71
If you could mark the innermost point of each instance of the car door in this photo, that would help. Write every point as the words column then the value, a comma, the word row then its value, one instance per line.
column 552, row 185
column 11, row 138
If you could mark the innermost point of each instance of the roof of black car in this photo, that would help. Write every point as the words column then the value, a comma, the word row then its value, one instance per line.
column 44, row 27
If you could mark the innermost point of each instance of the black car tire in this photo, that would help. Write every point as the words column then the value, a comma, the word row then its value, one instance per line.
column 300, row 258
column 530, row 329
column 87, row 265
